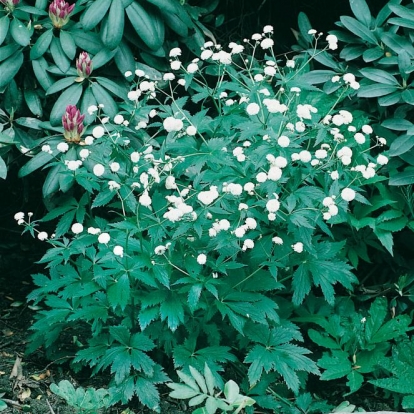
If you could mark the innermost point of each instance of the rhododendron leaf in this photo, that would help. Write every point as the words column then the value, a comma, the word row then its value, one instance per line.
column 3, row 168
column 361, row 11
column 68, row 44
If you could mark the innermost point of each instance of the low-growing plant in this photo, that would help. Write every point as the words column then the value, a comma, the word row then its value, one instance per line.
column 89, row 401
column 190, row 224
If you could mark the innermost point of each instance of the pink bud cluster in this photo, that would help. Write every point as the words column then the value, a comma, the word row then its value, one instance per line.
column 72, row 121
column 84, row 65
column 9, row 5
column 59, row 12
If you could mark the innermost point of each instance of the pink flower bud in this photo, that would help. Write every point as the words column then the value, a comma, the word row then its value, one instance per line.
column 9, row 5
column 59, row 12
column 72, row 121
column 84, row 65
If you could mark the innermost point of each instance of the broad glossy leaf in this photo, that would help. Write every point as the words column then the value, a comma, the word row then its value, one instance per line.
column 397, row 124
column 68, row 44
column 88, row 99
column 359, row 29
column 20, row 33
column 3, row 169
column 113, row 26
column 7, row 51
column 390, row 99
column 87, row 41
column 124, row 58
column 401, row 145
column 409, row 24
column 397, row 43
column 373, row 54
column 42, row 44
column 94, row 13
column 70, row 96
column 61, row 84
column 375, row 90
column 42, row 75
column 38, row 161
column 402, row 11
column 408, row 96
column 103, row 57
column 385, row 12
column 113, row 87
column 9, row 68
column 379, row 75
column 103, row 97
column 58, row 55
column 361, row 11
column 4, row 28
column 403, row 178
column 33, row 101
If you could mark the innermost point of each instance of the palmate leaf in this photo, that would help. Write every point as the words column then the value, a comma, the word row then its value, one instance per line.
column 336, row 365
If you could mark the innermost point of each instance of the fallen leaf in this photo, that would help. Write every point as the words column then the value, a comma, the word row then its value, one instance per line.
column 2, row 372
column 16, row 304
column 17, row 371
column 7, row 332
column 25, row 394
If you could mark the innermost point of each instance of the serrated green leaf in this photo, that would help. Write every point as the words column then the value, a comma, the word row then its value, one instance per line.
column 147, row 393
column 355, row 381
column 336, row 365
column 119, row 292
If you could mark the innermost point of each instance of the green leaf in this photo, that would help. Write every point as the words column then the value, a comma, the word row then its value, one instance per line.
column 59, row 56
column 3, row 405
column 20, row 33
column 70, row 96
column 199, row 379
column 373, row 54
column 94, row 13
column 182, row 391
column 42, row 45
column 397, row 43
column 42, row 75
column 408, row 96
column 113, row 25
column 68, row 44
column 401, row 145
column 38, row 161
column 51, row 183
column 360, row 30
column 336, row 365
column 375, row 90
column 116, row 88
column 147, row 393
column 89, row 42
column 393, row 225
column 408, row 402
column 103, row 97
column 147, row 25
column 231, row 391
column 4, row 28
column 103, row 57
column 380, row 76
column 33, row 101
column 10, row 67
column 119, row 292
column 172, row 310
column 61, row 84
column 403, row 178
column 402, row 22
column 3, row 169
column 103, row 198
column 397, row 124
column 124, row 58
column 323, row 340
column 361, row 11
column 355, row 380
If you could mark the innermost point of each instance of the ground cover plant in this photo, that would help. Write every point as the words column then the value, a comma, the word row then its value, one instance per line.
column 217, row 229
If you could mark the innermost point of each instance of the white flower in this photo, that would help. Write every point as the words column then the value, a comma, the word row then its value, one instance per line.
column 191, row 130
column 283, row 141
column 118, row 251
column 300, row 126
column 274, row 173
column 382, row 160
column 295, row 89
column 277, row 240
column 172, row 124
column 234, row 189
column 62, row 147
column 98, row 170
column 335, row 79
column 261, row 177
column 19, row 216
column 359, row 138
column 305, row 156
column 145, row 86
column 175, row 52
column 135, row 156
column 321, row 154
column 251, row 223
column 84, row 153
column 243, row 206
column 207, row 197
column 127, row 73
column 240, row 232
column 382, row 141
column 140, row 73
column 89, row 140
column 145, row 199
column 348, row 194
column 114, row 166
column 312, row 31
column 104, row 238
column 223, row 224
column 201, row 259
column 274, row 106
column 192, row 68
column 248, row 244
column 328, row 201
column 290, row 63
column 42, row 236
column 236, row 48
column 46, row 148
column 168, row 76
column 304, row 111
column 267, row 43
column 269, row 71
column 92, row 109
column 258, row 77
column 73, row 165
column 272, row 206
column 271, row 216
column 268, row 29
column 280, row 162
column 206, row 54
column 349, row 77
column 298, row 247
column 333, row 209
column 253, row 108
column 113, row 185
column 98, row 131
column 249, row 187
column 134, row 95
column 367, row 129
column 94, row 230
column 170, row 183
column 334, row 175
column 332, row 42
column 77, row 228
column 118, row 119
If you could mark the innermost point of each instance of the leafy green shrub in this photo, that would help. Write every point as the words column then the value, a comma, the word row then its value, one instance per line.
column 55, row 53
column 192, row 222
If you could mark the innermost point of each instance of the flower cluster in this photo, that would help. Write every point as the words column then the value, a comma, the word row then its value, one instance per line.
column 59, row 13
column 72, row 121
column 84, row 65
